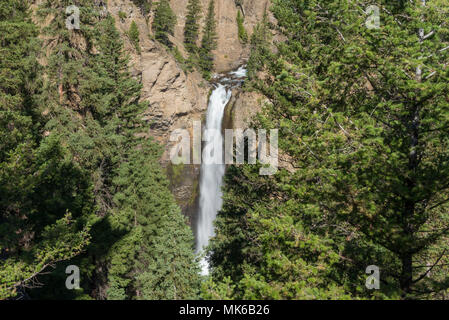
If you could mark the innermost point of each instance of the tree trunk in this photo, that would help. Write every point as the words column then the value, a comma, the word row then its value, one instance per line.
column 406, row 276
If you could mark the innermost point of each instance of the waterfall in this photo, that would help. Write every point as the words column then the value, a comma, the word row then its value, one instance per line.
column 213, row 168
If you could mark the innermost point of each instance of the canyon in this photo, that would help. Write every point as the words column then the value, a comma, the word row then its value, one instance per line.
column 177, row 98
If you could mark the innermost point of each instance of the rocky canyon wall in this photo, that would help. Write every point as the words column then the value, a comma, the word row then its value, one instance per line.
column 177, row 98
column 230, row 53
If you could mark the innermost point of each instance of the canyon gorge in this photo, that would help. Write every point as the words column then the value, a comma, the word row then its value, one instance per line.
column 177, row 98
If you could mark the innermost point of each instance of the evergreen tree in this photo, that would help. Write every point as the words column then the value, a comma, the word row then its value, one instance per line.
column 76, row 107
column 134, row 34
column 155, row 260
column 45, row 197
column 263, row 248
column 191, row 28
column 367, row 135
column 164, row 22
column 243, row 35
column 260, row 48
column 98, row 114
column 149, row 224
column 209, row 40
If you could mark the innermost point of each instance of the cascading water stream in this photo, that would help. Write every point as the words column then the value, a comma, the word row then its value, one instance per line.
column 213, row 167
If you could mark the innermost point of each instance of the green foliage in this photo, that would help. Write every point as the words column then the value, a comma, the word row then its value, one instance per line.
column 209, row 41
column 263, row 248
column 134, row 35
column 243, row 35
column 88, row 188
column 122, row 15
column 164, row 22
column 45, row 201
column 368, row 139
column 260, row 47
column 200, row 58
column 156, row 257
column 211, row 290
column 365, row 135
column 178, row 56
column 186, row 64
column 191, row 28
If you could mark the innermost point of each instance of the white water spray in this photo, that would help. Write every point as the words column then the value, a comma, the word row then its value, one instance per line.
column 213, row 168
column 212, row 171
column 239, row 73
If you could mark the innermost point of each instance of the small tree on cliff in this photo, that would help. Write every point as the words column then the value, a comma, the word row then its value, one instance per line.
column 133, row 34
column 164, row 22
column 191, row 28
column 260, row 47
column 209, row 41
column 243, row 35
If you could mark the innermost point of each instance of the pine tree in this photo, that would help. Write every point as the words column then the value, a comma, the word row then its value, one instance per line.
column 134, row 34
column 155, row 260
column 164, row 22
column 144, row 215
column 368, row 139
column 98, row 114
column 191, row 28
column 243, row 35
column 260, row 47
column 45, row 198
column 263, row 248
column 209, row 40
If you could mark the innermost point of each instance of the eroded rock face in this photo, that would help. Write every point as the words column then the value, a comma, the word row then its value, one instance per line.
column 230, row 53
column 175, row 98
column 244, row 107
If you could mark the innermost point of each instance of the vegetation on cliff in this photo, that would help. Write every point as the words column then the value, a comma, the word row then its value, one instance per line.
column 164, row 22
column 209, row 40
column 192, row 27
column 134, row 35
column 243, row 35
column 362, row 112
column 80, row 185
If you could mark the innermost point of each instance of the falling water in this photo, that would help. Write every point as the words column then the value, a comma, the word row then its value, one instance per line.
column 213, row 168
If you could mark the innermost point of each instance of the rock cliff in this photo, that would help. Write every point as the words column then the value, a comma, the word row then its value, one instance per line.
column 177, row 98
column 230, row 52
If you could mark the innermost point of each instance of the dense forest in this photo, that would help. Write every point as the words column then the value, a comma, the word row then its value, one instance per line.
column 78, row 185
column 361, row 101
column 362, row 114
